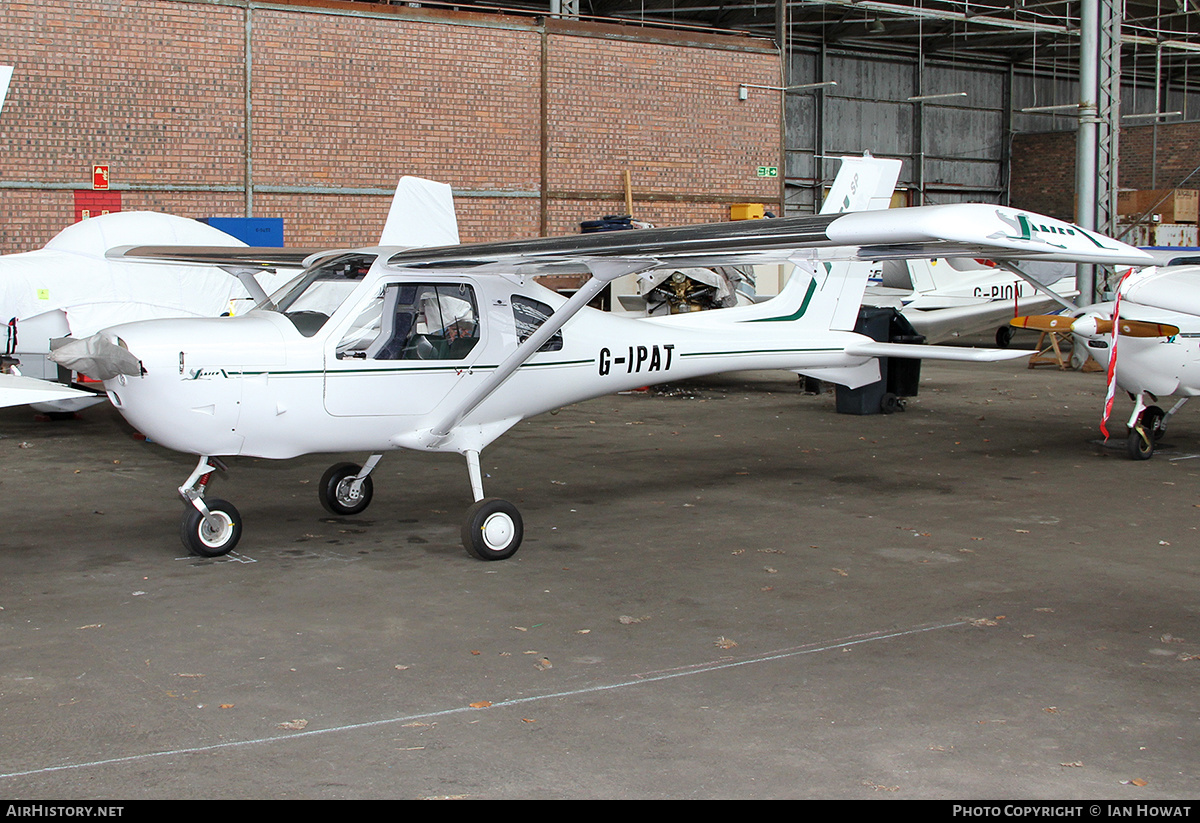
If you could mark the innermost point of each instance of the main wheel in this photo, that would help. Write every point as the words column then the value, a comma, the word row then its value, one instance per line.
column 214, row 535
column 1004, row 336
column 337, row 494
column 493, row 530
column 1140, row 448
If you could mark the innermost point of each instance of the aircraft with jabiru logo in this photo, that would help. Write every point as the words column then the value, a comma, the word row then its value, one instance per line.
column 444, row 349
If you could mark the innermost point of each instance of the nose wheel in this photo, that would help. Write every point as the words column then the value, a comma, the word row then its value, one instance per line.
column 212, row 534
column 210, row 528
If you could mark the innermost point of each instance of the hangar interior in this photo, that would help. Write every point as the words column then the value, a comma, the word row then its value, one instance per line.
column 975, row 98
column 728, row 590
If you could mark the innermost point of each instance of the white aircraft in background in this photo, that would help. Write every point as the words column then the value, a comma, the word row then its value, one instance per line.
column 445, row 349
column 71, row 288
column 946, row 299
column 68, row 288
column 941, row 299
column 1156, row 340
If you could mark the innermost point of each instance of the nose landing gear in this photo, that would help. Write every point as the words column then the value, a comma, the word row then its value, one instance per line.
column 209, row 528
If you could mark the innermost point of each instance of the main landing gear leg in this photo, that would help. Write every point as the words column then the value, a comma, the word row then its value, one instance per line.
column 493, row 528
column 209, row 528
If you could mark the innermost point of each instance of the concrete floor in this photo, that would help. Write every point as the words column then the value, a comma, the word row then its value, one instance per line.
column 725, row 591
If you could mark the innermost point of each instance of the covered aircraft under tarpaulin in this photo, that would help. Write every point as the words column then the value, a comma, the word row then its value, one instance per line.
column 68, row 287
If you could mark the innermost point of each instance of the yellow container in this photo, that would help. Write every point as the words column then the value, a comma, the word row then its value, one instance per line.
column 746, row 211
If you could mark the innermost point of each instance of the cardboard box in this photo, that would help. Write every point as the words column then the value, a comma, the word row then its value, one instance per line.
column 1171, row 205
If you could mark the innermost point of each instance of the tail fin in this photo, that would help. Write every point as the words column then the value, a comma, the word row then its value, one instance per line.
column 835, row 289
column 818, row 295
column 862, row 184
column 422, row 215
column 6, row 73
column 825, row 295
column 920, row 272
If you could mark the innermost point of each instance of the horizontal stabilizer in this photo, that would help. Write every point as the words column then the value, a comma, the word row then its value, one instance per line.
column 922, row 352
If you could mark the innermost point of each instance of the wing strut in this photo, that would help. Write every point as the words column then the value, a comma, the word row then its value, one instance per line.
column 250, row 284
column 603, row 272
column 1049, row 292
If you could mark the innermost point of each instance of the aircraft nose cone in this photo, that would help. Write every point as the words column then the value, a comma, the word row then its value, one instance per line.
column 1086, row 326
column 97, row 357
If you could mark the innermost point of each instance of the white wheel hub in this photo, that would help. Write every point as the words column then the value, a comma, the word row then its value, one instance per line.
column 498, row 531
column 215, row 529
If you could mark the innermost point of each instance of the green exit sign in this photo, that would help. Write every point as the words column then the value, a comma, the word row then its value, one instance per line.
column 768, row 171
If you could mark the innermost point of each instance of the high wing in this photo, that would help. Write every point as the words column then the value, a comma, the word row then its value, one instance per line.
column 959, row 230
column 1174, row 288
column 258, row 257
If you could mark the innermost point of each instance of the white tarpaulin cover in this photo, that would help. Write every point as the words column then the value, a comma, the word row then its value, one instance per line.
column 5, row 77
column 71, row 274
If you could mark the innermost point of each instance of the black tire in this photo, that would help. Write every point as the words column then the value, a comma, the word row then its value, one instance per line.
column 890, row 403
column 199, row 535
column 1139, row 448
column 493, row 530
column 1004, row 336
column 335, row 490
column 1152, row 419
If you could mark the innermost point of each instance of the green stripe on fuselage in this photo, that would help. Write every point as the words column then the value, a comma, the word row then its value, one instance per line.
column 798, row 313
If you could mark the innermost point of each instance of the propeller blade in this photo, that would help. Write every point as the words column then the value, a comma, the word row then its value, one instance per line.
column 1093, row 325
column 1043, row 322
column 1138, row 328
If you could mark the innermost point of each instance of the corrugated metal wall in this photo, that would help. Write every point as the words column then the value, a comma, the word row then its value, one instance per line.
column 954, row 149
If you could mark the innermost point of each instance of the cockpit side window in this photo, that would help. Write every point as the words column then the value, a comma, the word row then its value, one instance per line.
column 410, row 321
column 529, row 314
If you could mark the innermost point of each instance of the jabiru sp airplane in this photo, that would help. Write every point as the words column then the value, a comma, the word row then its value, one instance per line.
column 444, row 349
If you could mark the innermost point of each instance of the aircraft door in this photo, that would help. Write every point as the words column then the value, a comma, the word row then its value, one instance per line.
column 404, row 350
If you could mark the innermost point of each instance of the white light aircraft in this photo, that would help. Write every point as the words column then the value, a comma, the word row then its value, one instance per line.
column 1154, row 336
column 70, row 287
column 445, row 349
column 947, row 299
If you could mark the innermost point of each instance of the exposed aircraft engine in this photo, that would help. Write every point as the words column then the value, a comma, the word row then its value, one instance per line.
column 678, row 291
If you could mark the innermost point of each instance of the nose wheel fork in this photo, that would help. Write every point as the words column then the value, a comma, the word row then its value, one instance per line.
column 210, row 528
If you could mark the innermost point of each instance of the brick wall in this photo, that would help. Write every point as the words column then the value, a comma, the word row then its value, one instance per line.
column 1043, row 165
column 346, row 98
